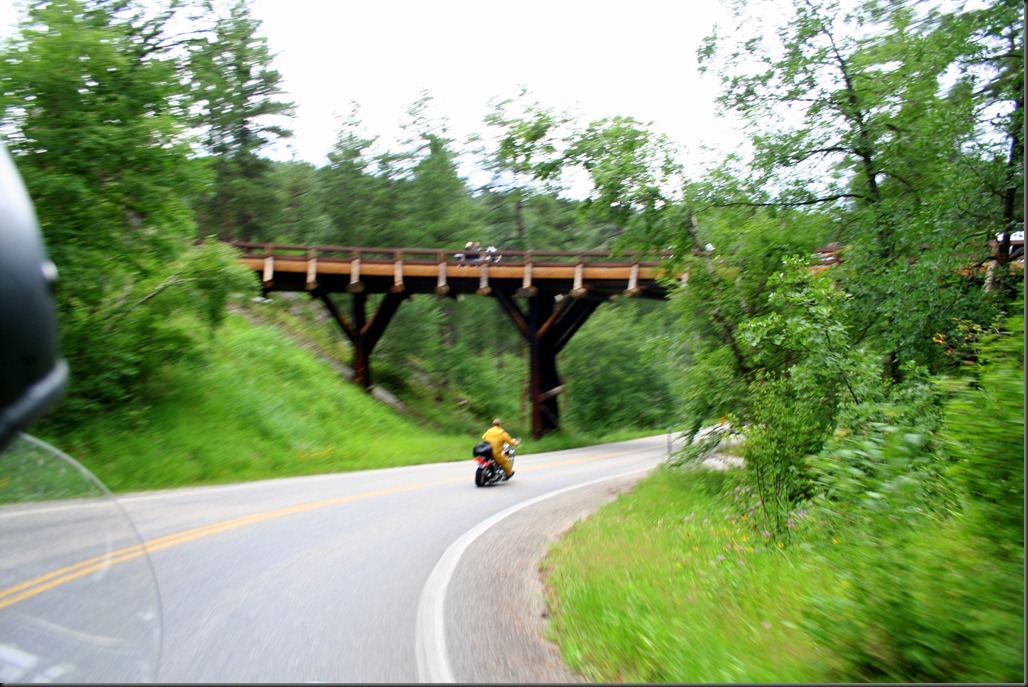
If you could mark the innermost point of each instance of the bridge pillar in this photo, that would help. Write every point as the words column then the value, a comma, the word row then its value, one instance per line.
column 364, row 335
column 547, row 329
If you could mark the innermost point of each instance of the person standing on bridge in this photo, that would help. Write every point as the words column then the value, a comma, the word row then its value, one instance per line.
column 497, row 436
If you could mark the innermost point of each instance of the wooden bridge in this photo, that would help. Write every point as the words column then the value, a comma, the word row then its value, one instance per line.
column 560, row 290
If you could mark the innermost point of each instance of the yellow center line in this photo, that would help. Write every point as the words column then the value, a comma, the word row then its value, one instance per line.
column 24, row 590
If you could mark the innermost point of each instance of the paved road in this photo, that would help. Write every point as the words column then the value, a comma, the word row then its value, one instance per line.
column 377, row 576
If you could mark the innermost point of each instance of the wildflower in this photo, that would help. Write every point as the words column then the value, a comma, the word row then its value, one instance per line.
column 834, row 540
column 744, row 537
column 790, row 523
column 781, row 545
column 695, row 548
column 765, row 624
column 741, row 563
column 720, row 557
column 766, row 534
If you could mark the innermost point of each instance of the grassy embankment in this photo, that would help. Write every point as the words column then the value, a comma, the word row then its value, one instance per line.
column 672, row 583
column 263, row 406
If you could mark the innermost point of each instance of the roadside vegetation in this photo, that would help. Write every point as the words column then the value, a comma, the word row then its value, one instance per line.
column 259, row 406
column 852, row 316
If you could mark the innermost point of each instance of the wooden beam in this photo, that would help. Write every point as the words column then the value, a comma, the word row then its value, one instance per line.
column 312, row 270
column 269, row 271
column 441, row 287
column 483, row 281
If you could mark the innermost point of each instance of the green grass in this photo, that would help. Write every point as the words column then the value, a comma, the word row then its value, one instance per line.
column 672, row 583
column 667, row 584
column 262, row 406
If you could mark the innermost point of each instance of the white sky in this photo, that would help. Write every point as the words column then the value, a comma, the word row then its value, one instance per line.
column 594, row 58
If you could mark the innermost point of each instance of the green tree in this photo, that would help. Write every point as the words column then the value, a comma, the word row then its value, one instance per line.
column 614, row 375
column 634, row 174
column 432, row 205
column 92, row 101
column 526, row 153
column 437, row 207
column 236, row 110
column 303, row 219
column 351, row 193
column 853, row 108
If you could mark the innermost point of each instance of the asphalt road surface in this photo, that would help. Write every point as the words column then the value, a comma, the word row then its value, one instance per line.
column 398, row 575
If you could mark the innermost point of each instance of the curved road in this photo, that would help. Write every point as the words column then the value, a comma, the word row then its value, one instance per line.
column 397, row 575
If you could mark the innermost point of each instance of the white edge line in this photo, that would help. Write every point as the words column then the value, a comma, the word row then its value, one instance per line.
column 430, row 628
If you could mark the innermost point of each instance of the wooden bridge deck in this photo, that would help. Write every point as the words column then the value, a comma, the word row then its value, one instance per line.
column 560, row 289
column 334, row 269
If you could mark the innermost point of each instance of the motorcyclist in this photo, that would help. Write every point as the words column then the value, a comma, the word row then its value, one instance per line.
column 497, row 436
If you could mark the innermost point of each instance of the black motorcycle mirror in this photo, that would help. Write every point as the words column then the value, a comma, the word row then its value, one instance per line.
column 78, row 597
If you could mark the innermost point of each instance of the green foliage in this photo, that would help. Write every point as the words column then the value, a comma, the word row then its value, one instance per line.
column 918, row 603
column 235, row 91
column 117, row 345
column 791, row 420
column 254, row 407
column 934, row 551
column 985, row 435
column 351, row 194
column 632, row 170
column 93, row 97
column 435, row 202
column 663, row 585
column 709, row 388
column 813, row 370
column 302, row 219
column 91, row 109
column 921, row 599
column 611, row 378
column 528, row 147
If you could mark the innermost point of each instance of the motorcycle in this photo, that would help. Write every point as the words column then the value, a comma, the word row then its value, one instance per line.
column 489, row 471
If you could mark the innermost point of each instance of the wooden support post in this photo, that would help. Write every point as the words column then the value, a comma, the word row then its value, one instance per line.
column 355, row 285
column 543, row 376
column 633, row 282
column 547, row 331
column 441, row 287
column 269, row 271
column 364, row 334
column 312, row 270
column 577, row 290
column 527, row 290
column 397, row 274
column 483, row 281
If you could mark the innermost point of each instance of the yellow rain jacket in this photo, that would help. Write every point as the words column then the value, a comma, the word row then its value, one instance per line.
column 497, row 436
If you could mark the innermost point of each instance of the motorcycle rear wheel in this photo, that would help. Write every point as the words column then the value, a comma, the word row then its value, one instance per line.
column 480, row 477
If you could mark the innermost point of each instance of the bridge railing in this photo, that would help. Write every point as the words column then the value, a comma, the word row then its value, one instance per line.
column 434, row 256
